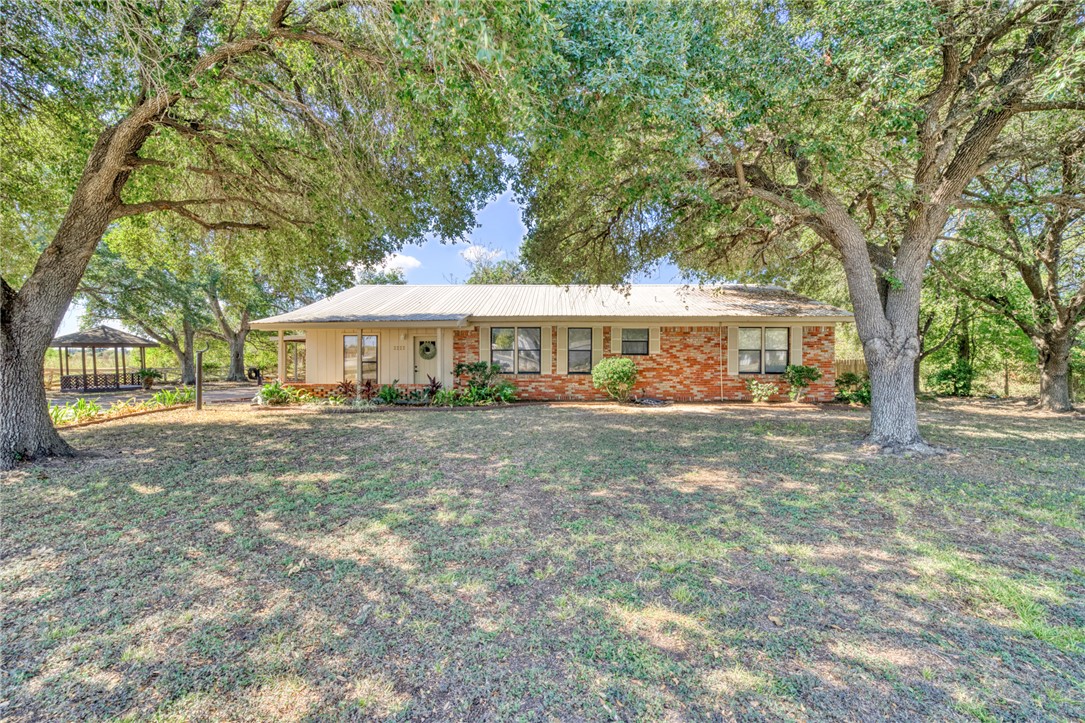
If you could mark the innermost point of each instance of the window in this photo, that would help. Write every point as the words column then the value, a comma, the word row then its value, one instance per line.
column 350, row 357
column 369, row 358
column 518, row 350
column 295, row 361
column 580, row 351
column 774, row 350
column 634, row 342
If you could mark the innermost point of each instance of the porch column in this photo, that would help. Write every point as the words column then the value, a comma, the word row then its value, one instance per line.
column 442, row 370
column 282, row 357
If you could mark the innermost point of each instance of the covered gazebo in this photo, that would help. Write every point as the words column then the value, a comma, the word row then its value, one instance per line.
column 100, row 338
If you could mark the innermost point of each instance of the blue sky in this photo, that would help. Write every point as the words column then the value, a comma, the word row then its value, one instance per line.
column 499, row 233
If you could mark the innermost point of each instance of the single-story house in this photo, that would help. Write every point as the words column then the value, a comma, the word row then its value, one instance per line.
column 690, row 343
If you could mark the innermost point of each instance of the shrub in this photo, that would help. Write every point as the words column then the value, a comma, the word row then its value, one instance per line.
column 760, row 391
column 346, row 389
column 484, row 384
column 368, row 391
column 503, row 392
column 390, row 393
column 799, row 378
column 479, row 374
column 432, row 387
column 953, row 381
column 273, row 393
column 445, row 398
column 853, row 388
column 616, row 376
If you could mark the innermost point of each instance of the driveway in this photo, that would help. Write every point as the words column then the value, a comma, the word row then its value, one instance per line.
column 212, row 392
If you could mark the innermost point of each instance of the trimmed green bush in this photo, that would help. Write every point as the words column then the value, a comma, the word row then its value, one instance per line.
column 799, row 379
column 853, row 388
column 616, row 376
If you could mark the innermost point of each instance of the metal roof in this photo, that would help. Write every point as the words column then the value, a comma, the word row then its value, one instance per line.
column 102, row 336
column 461, row 303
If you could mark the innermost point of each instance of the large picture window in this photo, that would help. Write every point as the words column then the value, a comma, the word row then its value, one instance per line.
column 518, row 350
column 634, row 342
column 763, row 350
column 350, row 357
column 580, row 351
column 369, row 358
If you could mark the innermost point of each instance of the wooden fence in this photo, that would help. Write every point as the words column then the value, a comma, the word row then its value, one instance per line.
column 854, row 366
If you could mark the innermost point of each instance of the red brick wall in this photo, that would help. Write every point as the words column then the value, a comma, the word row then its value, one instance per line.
column 818, row 350
column 689, row 366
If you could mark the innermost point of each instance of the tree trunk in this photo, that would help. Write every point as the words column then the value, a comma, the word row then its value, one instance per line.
column 1054, row 361
column 894, row 424
column 235, row 339
column 26, row 430
column 237, row 357
column 186, row 355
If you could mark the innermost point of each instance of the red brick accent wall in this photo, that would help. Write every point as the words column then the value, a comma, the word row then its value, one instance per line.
column 819, row 350
column 690, row 366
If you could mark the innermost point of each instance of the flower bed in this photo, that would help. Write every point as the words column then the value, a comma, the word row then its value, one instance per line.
column 87, row 411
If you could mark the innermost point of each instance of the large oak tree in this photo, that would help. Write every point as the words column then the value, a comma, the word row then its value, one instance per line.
column 687, row 131
column 345, row 126
column 1018, row 248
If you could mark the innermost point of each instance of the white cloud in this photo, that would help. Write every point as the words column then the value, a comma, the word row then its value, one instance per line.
column 476, row 253
column 403, row 262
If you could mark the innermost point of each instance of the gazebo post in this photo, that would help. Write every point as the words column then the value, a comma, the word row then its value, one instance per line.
column 124, row 363
column 116, row 371
column 94, row 364
column 142, row 357
column 84, row 350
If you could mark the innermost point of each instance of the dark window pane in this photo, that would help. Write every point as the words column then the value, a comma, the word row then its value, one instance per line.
column 749, row 338
column 529, row 361
column 507, row 360
column 776, row 339
column 350, row 357
column 634, row 347
column 775, row 361
column 749, row 362
column 635, row 335
column 369, row 371
column 529, row 338
column 579, row 339
column 579, row 361
column 502, row 337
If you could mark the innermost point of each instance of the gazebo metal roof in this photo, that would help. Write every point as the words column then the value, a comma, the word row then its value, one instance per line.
column 105, row 336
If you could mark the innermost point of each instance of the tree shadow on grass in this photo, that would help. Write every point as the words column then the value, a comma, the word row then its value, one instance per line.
column 545, row 562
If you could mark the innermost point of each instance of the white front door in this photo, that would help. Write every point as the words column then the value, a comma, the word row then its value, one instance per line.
column 425, row 359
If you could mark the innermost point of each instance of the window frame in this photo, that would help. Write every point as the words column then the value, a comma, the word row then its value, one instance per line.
column 569, row 349
column 352, row 374
column 516, row 349
column 761, row 351
column 362, row 378
column 647, row 341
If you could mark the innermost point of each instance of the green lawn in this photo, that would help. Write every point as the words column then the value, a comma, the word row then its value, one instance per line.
column 532, row 562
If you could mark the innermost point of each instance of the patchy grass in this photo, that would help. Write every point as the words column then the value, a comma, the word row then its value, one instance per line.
column 566, row 562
